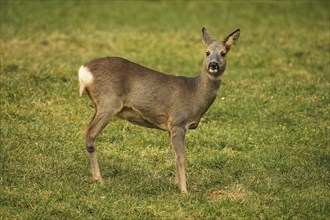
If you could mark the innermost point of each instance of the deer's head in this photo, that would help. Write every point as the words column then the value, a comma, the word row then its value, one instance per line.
column 216, row 52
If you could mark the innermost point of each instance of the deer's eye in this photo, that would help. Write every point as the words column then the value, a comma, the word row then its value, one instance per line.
column 223, row 54
column 207, row 53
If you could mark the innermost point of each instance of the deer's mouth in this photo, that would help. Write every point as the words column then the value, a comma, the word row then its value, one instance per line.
column 213, row 67
column 213, row 70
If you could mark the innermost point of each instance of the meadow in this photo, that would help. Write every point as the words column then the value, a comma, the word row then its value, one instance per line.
column 262, row 151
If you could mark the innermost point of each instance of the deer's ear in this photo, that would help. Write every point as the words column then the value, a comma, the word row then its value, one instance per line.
column 207, row 38
column 231, row 39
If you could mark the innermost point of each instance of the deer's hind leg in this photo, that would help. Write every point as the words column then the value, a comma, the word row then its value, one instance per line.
column 102, row 116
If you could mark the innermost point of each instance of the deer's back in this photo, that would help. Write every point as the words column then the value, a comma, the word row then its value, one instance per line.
column 118, row 73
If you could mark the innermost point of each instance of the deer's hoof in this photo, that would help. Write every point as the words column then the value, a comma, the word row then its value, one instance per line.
column 99, row 180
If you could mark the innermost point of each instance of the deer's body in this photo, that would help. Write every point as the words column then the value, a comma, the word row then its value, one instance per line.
column 119, row 87
column 140, row 99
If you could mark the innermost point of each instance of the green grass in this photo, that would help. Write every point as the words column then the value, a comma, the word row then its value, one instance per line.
column 262, row 151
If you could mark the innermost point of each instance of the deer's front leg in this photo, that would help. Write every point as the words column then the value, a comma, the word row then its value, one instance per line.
column 177, row 139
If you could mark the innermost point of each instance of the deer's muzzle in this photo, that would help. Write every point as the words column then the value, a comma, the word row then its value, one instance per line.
column 213, row 67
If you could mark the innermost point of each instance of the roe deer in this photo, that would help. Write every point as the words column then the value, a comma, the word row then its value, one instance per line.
column 119, row 87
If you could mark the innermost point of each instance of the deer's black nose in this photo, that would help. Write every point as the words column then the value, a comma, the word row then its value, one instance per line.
column 214, row 65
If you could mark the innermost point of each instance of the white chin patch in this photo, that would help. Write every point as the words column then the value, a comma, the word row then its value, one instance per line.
column 213, row 71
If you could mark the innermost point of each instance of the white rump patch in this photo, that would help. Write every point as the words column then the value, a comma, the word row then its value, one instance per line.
column 85, row 78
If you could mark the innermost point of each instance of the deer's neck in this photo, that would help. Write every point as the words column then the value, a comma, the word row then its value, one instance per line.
column 207, row 85
column 206, row 90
